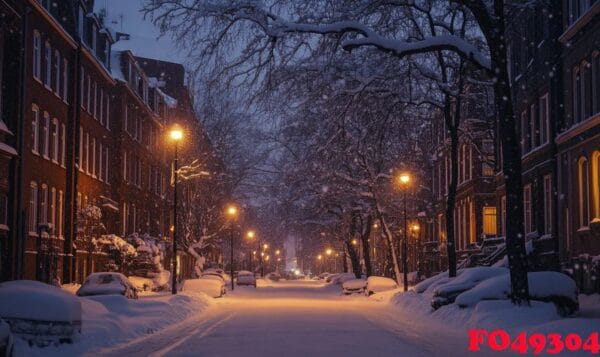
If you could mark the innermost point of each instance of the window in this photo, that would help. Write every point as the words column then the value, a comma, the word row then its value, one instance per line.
column 544, row 119
column 596, row 182
column 527, row 209
column 45, row 145
column 576, row 95
column 87, row 153
column 65, row 80
column 57, row 72
column 547, row 204
column 101, row 105
column 489, row 220
column 82, row 94
column 93, row 157
column 53, row 209
column 95, row 100
column 106, row 165
column 100, row 163
column 44, row 204
column 89, row 94
column 583, row 186
column 55, row 140
column 81, row 149
column 33, row 199
column 94, row 39
column 534, row 130
column 37, row 55
column 525, row 138
column 59, row 227
column 63, row 142
column 35, row 130
column 79, row 201
column 106, row 53
column 107, row 112
column 596, row 82
column 48, row 59
column 80, row 22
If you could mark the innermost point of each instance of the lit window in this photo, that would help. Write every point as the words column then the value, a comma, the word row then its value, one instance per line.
column 489, row 220
column 59, row 226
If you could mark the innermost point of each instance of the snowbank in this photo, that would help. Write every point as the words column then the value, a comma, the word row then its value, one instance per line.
column 468, row 278
column 342, row 277
column 377, row 284
column 113, row 319
column 355, row 284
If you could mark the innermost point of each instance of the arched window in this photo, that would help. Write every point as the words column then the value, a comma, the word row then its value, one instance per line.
column 596, row 182
column 583, row 190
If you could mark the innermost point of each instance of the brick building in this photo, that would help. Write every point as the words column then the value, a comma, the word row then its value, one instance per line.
column 578, row 139
column 93, row 126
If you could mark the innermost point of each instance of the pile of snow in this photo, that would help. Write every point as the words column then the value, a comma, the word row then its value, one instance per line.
column 103, row 284
column 342, row 278
column 112, row 319
column 377, row 284
column 6, row 339
column 210, row 286
column 38, row 302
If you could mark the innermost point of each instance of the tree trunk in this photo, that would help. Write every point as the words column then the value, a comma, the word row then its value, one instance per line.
column 354, row 259
column 511, row 166
column 364, row 239
column 451, row 199
column 390, row 244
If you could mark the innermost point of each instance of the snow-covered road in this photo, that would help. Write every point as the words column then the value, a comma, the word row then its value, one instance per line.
column 297, row 318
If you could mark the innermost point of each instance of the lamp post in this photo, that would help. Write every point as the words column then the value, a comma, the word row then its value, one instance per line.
column 320, row 262
column 232, row 212
column 329, row 251
column 417, row 231
column 176, row 135
column 263, row 259
column 250, row 235
column 404, row 180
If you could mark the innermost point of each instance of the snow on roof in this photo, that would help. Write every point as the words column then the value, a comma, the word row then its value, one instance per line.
column 115, row 68
column 7, row 149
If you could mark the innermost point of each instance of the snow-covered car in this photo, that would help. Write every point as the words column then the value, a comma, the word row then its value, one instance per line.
column 447, row 292
column 107, row 283
column 245, row 277
column 342, row 278
column 6, row 340
column 354, row 286
column 39, row 313
column 378, row 284
column 216, row 271
column 209, row 285
column 273, row 276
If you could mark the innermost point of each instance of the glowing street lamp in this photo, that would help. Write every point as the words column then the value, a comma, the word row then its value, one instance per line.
column 404, row 180
column 328, row 251
column 354, row 242
column 250, row 234
column 265, row 246
column 232, row 213
column 176, row 135
column 277, row 252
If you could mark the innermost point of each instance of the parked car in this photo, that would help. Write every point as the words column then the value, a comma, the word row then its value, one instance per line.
column 273, row 276
column 107, row 283
column 354, row 286
column 245, row 277
column 342, row 278
column 323, row 276
column 211, row 285
column 377, row 284
column 219, row 272
column 39, row 313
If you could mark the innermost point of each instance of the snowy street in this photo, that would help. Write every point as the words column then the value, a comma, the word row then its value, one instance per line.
column 295, row 318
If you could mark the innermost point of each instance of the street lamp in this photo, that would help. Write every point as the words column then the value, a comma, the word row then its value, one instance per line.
column 176, row 135
column 232, row 212
column 320, row 261
column 404, row 181
column 250, row 235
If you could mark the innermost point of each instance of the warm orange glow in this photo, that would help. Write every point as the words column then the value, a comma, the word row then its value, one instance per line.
column 265, row 246
column 176, row 134
column 262, row 254
column 328, row 251
column 277, row 252
column 267, row 258
column 354, row 242
column 404, row 179
column 319, row 257
column 375, row 226
column 250, row 234
column 232, row 211
column 415, row 227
